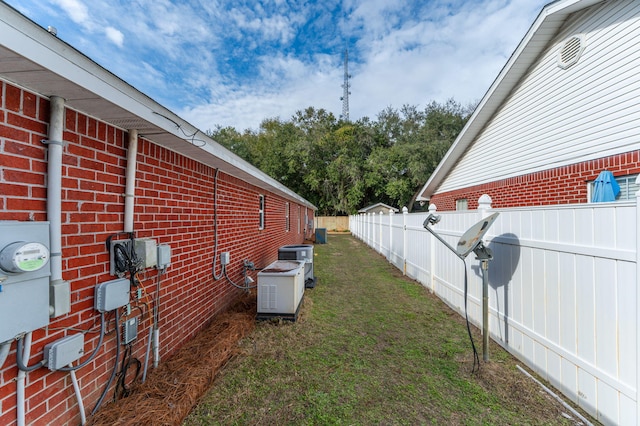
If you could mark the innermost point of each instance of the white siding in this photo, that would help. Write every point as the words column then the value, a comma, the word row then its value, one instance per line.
column 557, row 117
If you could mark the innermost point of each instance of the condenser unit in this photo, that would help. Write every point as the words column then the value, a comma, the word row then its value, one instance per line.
column 280, row 290
column 303, row 253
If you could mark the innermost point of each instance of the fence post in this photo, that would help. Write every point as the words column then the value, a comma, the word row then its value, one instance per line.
column 405, row 213
column 380, row 231
column 484, row 205
column 432, row 253
column 638, row 298
column 391, row 213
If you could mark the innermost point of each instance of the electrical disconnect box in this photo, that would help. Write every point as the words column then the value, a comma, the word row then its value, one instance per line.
column 24, row 277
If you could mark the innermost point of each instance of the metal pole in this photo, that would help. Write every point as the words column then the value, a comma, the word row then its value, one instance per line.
column 485, row 310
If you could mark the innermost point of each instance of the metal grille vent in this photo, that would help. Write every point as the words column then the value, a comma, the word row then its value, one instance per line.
column 571, row 51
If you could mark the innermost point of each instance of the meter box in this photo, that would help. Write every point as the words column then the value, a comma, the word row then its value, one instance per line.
column 24, row 277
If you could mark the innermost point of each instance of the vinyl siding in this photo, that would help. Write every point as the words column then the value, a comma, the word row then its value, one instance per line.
column 558, row 117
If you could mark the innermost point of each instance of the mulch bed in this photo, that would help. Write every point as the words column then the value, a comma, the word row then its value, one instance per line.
column 176, row 386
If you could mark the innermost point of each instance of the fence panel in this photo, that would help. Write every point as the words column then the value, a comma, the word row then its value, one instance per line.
column 562, row 291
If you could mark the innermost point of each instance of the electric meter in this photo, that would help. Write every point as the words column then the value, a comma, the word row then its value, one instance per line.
column 23, row 256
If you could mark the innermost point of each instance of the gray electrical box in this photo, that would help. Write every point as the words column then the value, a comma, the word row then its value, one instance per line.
column 147, row 251
column 129, row 330
column 164, row 256
column 112, row 294
column 24, row 277
column 64, row 351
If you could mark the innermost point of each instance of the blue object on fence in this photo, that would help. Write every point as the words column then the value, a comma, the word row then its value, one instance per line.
column 605, row 187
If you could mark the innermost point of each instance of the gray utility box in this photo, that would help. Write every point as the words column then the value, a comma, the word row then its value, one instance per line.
column 304, row 253
column 280, row 290
column 24, row 277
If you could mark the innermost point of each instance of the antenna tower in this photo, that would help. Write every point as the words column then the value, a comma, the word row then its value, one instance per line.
column 345, row 87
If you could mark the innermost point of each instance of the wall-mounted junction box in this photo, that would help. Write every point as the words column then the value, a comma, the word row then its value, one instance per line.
column 146, row 253
column 24, row 277
column 64, row 351
column 164, row 256
column 224, row 258
column 129, row 330
column 112, row 294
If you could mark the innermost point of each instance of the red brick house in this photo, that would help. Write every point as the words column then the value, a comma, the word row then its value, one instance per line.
column 87, row 162
column 565, row 107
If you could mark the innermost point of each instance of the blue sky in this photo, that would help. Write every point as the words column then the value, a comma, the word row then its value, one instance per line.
column 237, row 62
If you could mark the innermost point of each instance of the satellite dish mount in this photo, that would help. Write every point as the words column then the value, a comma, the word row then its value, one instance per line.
column 471, row 241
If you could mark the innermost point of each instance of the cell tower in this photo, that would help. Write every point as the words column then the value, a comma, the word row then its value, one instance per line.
column 345, row 87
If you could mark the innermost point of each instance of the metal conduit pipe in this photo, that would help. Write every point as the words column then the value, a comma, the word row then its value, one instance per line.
column 54, row 207
column 130, row 184
column 21, row 380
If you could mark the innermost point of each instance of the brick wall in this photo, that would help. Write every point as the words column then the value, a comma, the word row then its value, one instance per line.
column 562, row 185
column 174, row 205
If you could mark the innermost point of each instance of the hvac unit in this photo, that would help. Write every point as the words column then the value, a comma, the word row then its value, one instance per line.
column 304, row 253
column 280, row 290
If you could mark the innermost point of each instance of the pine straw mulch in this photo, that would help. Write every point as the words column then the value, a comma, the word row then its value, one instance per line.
column 176, row 386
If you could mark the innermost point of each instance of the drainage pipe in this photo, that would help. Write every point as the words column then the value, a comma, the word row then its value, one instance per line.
column 130, row 185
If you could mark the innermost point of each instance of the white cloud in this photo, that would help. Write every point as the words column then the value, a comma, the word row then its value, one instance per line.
column 115, row 36
column 76, row 10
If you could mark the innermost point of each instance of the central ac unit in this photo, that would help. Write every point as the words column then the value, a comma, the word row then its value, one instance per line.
column 304, row 253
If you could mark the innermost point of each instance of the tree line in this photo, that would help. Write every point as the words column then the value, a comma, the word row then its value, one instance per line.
column 342, row 166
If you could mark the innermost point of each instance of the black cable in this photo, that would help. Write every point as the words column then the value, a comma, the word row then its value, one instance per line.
column 122, row 390
column 115, row 366
column 476, row 358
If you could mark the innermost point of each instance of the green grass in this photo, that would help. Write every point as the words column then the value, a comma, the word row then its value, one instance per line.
column 370, row 347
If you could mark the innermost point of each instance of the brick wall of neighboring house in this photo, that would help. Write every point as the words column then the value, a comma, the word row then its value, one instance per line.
column 174, row 205
column 562, row 185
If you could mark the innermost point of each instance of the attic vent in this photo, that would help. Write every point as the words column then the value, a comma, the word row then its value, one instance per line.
column 571, row 51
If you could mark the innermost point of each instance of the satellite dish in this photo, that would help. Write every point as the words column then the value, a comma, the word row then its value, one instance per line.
column 473, row 236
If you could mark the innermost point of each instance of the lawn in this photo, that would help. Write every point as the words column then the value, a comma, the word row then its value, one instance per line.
column 370, row 347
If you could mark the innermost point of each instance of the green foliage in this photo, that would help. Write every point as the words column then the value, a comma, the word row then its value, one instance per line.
column 342, row 166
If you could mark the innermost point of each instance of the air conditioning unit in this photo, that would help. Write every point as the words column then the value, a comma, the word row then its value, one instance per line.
column 280, row 290
column 304, row 253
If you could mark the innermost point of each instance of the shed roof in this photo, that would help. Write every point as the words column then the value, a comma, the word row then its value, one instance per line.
column 38, row 61
column 377, row 206
column 535, row 42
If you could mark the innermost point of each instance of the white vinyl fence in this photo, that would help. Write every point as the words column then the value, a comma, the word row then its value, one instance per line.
column 563, row 290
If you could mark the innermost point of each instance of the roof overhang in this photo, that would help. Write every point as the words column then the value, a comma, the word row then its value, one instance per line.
column 535, row 42
column 38, row 61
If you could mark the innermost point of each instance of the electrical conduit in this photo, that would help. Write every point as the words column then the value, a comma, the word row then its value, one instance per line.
column 54, row 216
column 130, row 184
